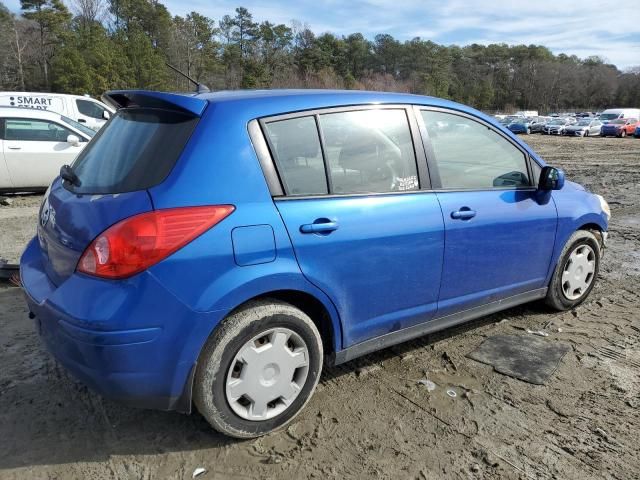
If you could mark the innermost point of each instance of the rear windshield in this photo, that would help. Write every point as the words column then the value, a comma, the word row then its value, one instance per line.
column 136, row 150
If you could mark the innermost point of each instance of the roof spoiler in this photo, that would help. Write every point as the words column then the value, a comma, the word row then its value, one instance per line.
column 186, row 103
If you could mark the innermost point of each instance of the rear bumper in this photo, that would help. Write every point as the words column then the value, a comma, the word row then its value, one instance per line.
column 131, row 341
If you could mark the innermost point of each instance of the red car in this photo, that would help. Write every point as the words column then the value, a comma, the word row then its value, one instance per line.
column 620, row 127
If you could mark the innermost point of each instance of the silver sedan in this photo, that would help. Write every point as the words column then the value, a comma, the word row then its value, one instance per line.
column 584, row 128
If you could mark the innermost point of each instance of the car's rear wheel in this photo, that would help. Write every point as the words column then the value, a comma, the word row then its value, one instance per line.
column 576, row 272
column 258, row 370
column 586, row 133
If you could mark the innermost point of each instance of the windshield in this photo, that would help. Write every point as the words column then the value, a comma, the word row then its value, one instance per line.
column 78, row 126
column 619, row 121
column 584, row 123
column 557, row 122
column 136, row 150
column 609, row 116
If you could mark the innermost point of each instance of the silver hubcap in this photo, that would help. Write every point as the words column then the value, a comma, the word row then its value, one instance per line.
column 267, row 374
column 578, row 272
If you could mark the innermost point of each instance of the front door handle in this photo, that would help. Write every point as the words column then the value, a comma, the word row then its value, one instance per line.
column 465, row 213
column 322, row 225
column 14, row 148
column 82, row 120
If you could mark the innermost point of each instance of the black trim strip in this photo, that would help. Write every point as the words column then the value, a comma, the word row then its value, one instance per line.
column 432, row 326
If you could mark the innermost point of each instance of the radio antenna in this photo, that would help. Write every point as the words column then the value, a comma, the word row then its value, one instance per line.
column 200, row 87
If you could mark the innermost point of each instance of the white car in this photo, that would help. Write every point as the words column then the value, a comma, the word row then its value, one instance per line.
column 34, row 144
column 85, row 110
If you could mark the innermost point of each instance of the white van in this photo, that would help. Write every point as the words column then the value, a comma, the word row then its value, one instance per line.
column 615, row 113
column 85, row 110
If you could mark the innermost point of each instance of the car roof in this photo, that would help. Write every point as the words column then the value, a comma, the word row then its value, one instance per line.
column 25, row 112
column 260, row 103
column 48, row 94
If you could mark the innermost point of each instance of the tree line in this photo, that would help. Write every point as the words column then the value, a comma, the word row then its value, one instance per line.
column 98, row 45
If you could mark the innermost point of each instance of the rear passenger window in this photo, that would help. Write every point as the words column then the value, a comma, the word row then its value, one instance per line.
column 369, row 151
column 296, row 147
column 366, row 151
column 470, row 155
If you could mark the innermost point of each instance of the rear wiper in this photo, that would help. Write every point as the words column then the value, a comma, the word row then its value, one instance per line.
column 67, row 173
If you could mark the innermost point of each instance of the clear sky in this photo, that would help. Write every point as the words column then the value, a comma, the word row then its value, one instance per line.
column 584, row 27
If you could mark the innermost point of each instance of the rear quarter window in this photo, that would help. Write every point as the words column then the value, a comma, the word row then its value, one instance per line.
column 136, row 150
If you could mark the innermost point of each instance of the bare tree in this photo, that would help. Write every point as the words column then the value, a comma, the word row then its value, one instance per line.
column 89, row 11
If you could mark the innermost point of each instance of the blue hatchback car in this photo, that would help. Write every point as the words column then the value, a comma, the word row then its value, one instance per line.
column 215, row 249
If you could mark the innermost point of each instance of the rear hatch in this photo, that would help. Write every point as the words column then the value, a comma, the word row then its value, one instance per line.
column 108, row 181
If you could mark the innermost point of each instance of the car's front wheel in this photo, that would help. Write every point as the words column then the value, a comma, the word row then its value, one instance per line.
column 576, row 272
column 258, row 370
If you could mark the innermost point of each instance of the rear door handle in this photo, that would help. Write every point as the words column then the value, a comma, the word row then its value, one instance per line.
column 14, row 148
column 82, row 120
column 465, row 213
column 319, row 226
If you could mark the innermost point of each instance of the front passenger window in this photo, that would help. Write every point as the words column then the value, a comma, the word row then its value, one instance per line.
column 470, row 155
column 90, row 109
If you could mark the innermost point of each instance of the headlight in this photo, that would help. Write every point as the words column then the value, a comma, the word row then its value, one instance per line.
column 605, row 206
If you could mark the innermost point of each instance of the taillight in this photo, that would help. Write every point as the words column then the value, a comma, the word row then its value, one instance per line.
column 136, row 243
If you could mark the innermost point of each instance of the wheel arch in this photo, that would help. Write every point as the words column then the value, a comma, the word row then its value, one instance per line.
column 330, row 330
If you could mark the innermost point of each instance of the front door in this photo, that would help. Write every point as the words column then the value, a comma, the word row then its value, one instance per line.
column 361, row 228
column 34, row 151
column 499, row 232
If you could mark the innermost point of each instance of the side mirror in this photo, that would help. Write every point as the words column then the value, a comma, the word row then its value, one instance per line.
column 73, row 140
column 106, row 115
column 551, row 178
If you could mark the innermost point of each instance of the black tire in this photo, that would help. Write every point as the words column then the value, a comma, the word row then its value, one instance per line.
column 586, row 133
column 555, row 295
column 528, row 131
column 220, row 350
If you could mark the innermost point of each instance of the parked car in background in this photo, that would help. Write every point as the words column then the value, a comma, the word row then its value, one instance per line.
column 583, row 128
column 620, row 127
column 83, row 109
column 235, row 248
column 34, row 144
column 637, row 132
column 527, row 113
column 556, row 126
column 527, row 125
column 617, row 113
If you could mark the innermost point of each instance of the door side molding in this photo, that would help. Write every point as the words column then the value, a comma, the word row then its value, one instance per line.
column 432, row 326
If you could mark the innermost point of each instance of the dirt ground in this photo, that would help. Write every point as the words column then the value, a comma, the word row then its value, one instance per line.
column 371, row 417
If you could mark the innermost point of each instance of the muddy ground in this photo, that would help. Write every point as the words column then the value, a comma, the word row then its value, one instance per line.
column 371, row 418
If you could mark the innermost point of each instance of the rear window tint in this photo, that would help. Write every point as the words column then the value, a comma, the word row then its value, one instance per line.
column 136, row 150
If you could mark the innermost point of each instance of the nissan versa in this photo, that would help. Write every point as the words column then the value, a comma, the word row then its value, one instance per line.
column 216, row 248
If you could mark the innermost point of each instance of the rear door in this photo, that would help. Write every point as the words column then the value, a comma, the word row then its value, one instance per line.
column 35, row 149
column 362, row 229
column 499, row 233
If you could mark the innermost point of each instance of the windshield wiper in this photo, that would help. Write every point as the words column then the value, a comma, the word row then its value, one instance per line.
column 67, row 173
